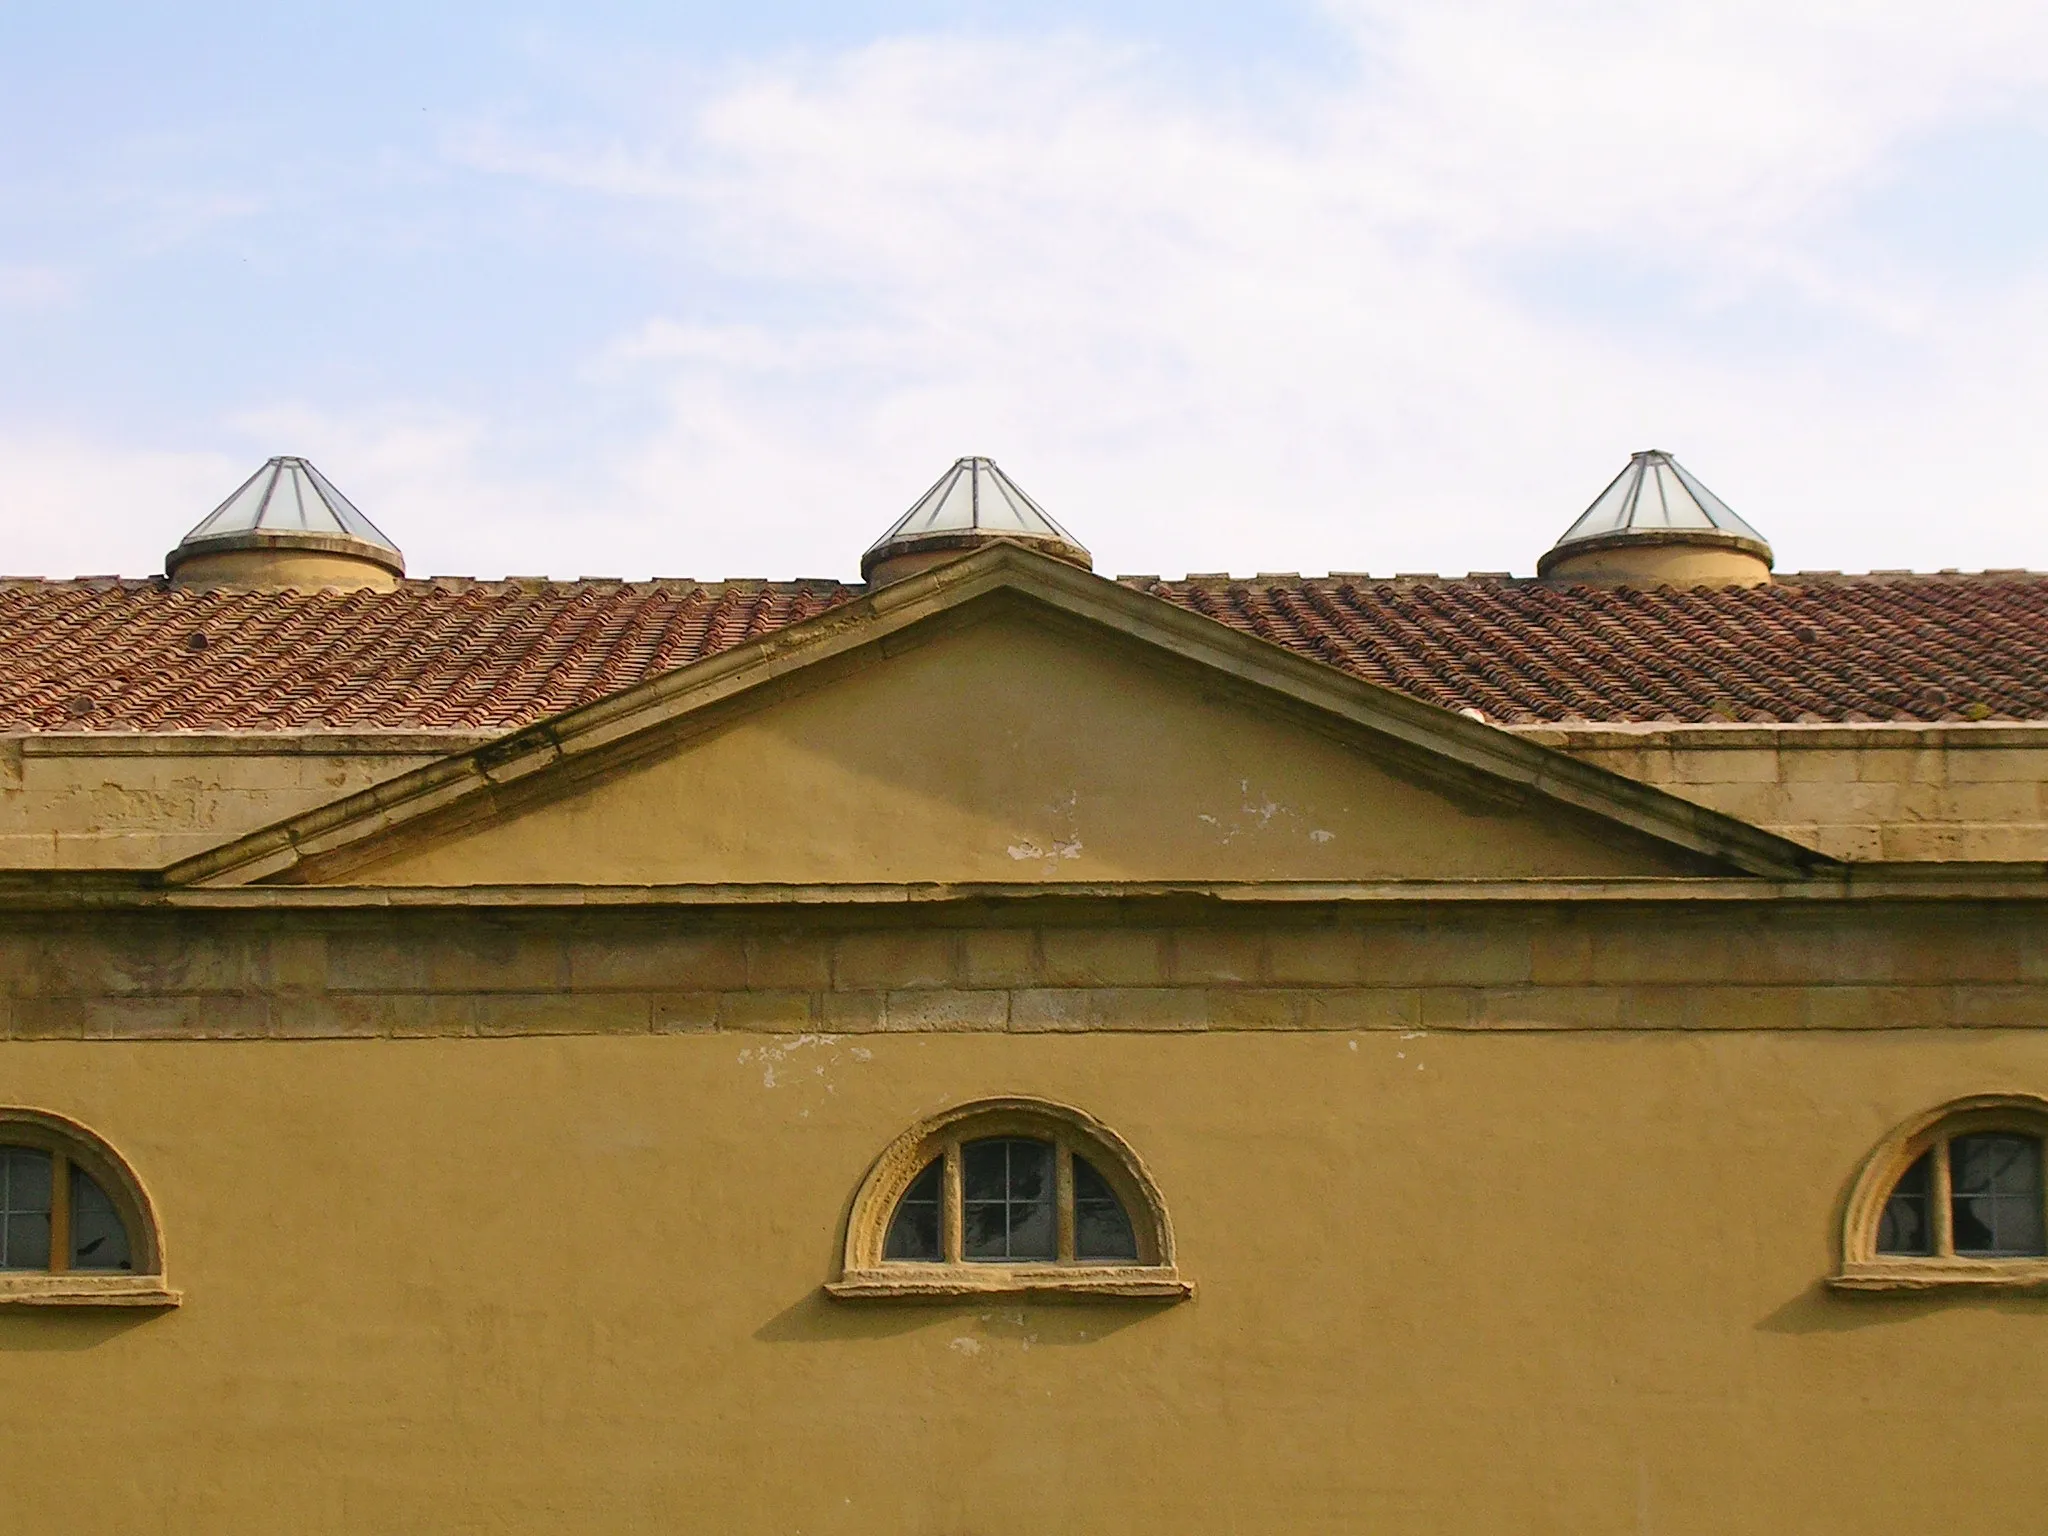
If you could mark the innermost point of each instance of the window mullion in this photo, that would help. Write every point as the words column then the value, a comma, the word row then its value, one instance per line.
column 1063, row 1192
column 952, row 1219
column 1943, row 1213
column 60, row 1213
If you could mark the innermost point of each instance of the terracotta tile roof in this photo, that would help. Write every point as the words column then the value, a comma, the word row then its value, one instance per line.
column 143, row 656
column 1813, row 647
column 119, row 655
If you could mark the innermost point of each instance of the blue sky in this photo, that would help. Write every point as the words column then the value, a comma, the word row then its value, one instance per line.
column 634, row 289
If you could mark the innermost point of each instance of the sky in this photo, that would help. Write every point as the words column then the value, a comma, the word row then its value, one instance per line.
column 632, row 289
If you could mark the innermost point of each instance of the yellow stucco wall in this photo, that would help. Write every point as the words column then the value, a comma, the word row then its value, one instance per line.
column 1548, row 1283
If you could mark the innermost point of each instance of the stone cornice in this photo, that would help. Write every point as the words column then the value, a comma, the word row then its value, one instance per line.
column 62, row 890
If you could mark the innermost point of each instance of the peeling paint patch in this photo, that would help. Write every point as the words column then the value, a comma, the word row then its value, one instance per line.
column 772, row 1059
column 1053, row 852
column 1030, row 850
column 1260, row 812
column 965, row 1345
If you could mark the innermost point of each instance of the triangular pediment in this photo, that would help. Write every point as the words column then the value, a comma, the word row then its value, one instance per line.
column 1002, row 720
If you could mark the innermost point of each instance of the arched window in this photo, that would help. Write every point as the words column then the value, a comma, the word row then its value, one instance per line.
column 1956, row 1196
column 75, row 1225
column 1015, row 1196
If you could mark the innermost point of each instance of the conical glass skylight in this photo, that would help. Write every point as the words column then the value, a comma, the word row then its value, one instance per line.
column 286, row 496
column 971, row 502
column 1656, row 494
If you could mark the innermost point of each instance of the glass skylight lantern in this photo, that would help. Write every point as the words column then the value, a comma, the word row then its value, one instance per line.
column 1656, row 525
column 287, row 526
column 973, row 503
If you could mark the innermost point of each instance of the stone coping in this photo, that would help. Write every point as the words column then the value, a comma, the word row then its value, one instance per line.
column 293, row 743
column 1817, row 733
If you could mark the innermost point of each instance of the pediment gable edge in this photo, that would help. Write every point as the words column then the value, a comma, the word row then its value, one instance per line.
column 1483, row 759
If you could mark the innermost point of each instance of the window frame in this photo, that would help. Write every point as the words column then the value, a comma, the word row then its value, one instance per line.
column 70, row 1144
column 866, row 1275
column 1864, row 1268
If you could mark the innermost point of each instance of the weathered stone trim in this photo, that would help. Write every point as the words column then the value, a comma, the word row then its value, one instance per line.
column 86, row 1290
column 1037, row 1282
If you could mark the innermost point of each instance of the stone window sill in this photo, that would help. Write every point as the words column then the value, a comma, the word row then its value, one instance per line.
column 86, row 1290
column 947, row 1282
column 1877, row 1275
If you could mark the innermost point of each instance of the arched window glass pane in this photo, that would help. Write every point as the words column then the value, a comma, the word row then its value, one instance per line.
column 99, row 1240
column 1997, row 1195
column 1008, row 1201
column 1907, row 1226
column 24, row 1208
column 1102, row 1230
column 914, row 1229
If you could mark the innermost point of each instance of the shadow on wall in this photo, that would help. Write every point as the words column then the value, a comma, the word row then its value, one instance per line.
column 26, row 1329
column 816, row 1318
column 1817, row 1309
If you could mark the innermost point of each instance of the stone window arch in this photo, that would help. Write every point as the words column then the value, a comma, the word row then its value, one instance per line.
column 1956, row 1196
column 76, row 1226
column 1009, row 1196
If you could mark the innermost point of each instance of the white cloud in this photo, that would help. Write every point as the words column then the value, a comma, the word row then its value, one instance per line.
column 1213, row 339
column 73, row 505
column 1409, row 312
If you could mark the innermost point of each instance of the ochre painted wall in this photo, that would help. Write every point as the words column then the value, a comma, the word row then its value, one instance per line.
column 1473, row 1283
column 1015, row 750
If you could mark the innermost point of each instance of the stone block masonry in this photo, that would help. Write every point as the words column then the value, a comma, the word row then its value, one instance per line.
column 1071, row 965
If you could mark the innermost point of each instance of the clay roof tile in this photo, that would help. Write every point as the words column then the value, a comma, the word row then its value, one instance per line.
column 114, row 655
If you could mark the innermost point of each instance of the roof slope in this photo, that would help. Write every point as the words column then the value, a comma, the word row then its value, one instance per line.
column 112, row 655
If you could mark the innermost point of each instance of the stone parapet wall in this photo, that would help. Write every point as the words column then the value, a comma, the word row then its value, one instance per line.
column 1861, row 793
column 1873, row 792
column 135, row 801
column 1850, row 965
